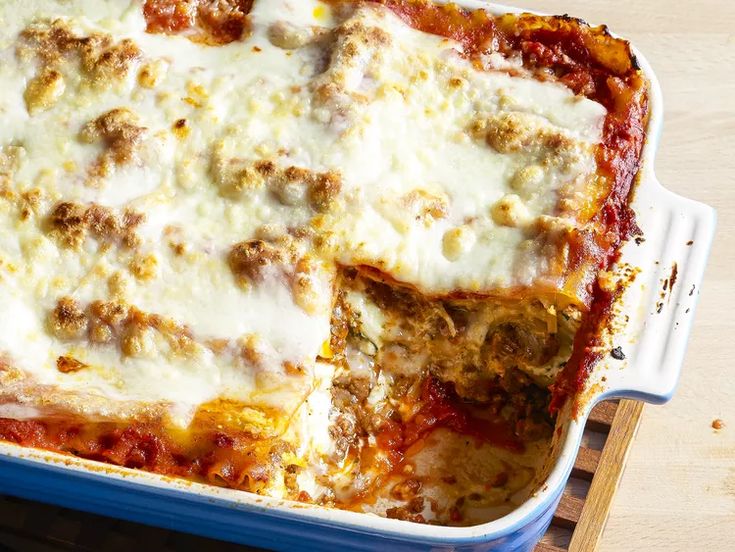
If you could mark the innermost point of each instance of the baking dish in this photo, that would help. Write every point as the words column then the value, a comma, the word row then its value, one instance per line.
column 649, row 372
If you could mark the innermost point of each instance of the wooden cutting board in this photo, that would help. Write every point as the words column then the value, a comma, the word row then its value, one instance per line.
column 582, row 513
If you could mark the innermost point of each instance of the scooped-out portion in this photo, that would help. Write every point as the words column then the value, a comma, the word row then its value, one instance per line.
column 441, row 404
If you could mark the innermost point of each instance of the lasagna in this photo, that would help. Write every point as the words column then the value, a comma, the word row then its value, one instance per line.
column 347, row 253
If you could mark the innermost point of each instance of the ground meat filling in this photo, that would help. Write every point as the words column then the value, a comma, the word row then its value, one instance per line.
column 509, row 341
column 383, row 409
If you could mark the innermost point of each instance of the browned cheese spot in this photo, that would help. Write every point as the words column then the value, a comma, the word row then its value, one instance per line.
column 105, row 319
column 514, row 133
column 181, row 129
column 236, row 178
column 304, row 285
column 144, row 267
column 324, row 190
column 427, row 207
column 351, row 41
column 119, row 133
column 135, row 331
column 135, row 338
column 102, row 61
column 70, row 223
column 67, row 321
column 249, row 259
column 30, row 203
column 295, row 186
column 292, row 186
column 455, row 82
column 43, row 91
column 290, row 37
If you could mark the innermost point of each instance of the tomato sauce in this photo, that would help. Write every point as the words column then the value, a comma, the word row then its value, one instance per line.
column 226, row 460
column 475, row 30
column 211, row 22
column 441, row 407
column 169, row 16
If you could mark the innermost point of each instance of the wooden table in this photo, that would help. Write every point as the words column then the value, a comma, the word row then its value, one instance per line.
column 678, row 490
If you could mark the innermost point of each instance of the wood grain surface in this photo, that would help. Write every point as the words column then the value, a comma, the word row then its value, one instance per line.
column 678, row 490
column 607, row 476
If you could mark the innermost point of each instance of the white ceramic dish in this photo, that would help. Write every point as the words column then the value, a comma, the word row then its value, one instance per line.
column 677, row 232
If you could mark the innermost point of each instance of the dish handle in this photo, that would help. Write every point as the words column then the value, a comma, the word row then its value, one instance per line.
column 658, row 309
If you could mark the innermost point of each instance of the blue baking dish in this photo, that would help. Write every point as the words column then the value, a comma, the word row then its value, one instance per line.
column 677, row 231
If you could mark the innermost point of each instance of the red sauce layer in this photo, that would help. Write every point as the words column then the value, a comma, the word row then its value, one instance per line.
column 442, row 408
column 234, row 460
column 239, row 460
column 209, row 21
column 475, row 30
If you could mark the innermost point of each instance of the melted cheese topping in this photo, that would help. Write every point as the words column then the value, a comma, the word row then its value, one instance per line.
column 452, row 174
column 171, row 213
